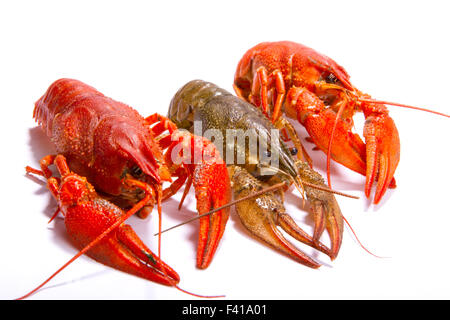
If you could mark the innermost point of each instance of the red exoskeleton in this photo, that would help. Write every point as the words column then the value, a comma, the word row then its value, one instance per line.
column 104, row 144
column 96, row 226
column 313, row 89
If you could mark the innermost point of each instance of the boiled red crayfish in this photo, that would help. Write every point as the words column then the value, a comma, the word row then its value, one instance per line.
column 122, row 155
column 313, row 89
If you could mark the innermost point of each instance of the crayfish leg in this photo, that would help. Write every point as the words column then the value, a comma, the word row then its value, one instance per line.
column 208, row 175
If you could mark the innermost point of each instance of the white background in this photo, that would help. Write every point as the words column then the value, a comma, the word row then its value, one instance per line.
column 142, row 52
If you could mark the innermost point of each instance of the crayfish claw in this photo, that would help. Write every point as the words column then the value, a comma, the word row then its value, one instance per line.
column 326, row 212
column 140, row 259
column 334, row 225
column 121, row 249
column 287, row 224
column 262, row 214
column 96, row 226
column 212, row 190
column 319, row 220
column 195, row 161
column 383, row 154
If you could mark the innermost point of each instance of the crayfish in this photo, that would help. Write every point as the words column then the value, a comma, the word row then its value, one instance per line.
column 204, row 107
column 313, row 89
column 107, row 145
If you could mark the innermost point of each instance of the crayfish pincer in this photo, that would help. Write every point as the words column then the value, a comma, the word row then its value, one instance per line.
column 202, row 106
column 126, row 158
column 96, row 226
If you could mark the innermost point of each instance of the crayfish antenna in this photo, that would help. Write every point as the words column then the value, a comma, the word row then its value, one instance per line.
column 255, row 194
column 159, row 197
column 198, row 295
column 338, row 115
column 175, row 285
column 402, row 105
column 359, row 242
column 84, row 250
column 54, row 215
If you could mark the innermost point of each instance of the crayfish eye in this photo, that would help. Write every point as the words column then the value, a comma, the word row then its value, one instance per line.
column 331, row 78
column 136, row 171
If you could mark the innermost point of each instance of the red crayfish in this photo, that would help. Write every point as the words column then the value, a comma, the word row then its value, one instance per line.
column 107, row 145
column 315, row 90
